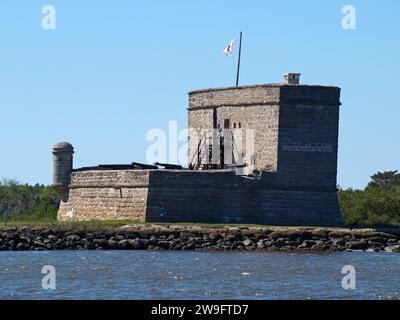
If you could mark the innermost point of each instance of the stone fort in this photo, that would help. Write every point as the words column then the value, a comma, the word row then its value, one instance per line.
column 258, row 154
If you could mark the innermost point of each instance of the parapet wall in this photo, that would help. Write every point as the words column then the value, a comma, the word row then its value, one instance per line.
column 106, row 195
column 262, row 94
column 193, row 196
column 236, row 96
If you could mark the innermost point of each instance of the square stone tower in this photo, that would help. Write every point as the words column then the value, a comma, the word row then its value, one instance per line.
column 288, row 131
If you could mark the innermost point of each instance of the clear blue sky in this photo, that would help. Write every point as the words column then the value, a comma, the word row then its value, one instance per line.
column 112, row 70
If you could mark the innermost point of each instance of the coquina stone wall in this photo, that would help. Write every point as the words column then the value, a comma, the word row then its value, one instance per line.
column 106, row 195
column 295, row 128
column 193, row 196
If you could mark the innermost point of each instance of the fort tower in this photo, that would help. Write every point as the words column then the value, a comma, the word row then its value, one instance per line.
column 294, row 129
column 62, row 166
column 264, row 154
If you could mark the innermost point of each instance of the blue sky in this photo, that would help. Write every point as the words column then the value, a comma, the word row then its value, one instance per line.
column 112, row 70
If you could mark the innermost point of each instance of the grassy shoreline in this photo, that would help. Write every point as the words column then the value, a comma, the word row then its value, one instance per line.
column 51, row 223
column 31, row 223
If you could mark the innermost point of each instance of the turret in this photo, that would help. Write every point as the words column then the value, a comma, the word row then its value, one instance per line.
column 62, row 166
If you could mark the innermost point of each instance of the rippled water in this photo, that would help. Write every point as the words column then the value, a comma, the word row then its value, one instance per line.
column 198, row 275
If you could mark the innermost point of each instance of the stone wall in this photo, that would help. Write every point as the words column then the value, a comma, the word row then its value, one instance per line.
column 251, row 110
column 234, row 96
column 226, row 198
column 106, row 195
column 308, row 145
column 261, row 123
column 193, row 196
column 295, row 129
column 198, row 120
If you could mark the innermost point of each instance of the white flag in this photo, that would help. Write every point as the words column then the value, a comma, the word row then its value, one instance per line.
column 228, row 50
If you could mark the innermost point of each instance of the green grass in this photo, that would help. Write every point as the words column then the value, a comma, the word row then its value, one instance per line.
column 43, row 221
column 34, row 221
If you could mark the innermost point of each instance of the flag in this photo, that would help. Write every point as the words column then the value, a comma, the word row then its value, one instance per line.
column 228, row 50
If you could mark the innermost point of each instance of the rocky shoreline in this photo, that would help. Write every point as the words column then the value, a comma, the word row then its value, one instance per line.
column 179, row 237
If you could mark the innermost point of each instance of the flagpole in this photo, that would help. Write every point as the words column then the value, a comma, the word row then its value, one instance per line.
column 238, row 66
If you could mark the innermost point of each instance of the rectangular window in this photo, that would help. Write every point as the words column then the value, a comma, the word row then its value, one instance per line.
column 227, row 124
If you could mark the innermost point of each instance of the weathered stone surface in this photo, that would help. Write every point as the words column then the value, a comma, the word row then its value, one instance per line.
column 154, row 237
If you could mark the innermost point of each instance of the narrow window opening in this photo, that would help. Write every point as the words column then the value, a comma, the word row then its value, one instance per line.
column 227, row 124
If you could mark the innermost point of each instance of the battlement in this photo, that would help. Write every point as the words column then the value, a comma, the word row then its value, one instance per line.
column 264, row 94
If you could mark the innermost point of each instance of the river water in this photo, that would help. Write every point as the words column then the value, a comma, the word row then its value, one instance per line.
column 197, row 275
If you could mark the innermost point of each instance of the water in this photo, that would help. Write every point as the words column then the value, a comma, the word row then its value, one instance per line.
column 198, row 275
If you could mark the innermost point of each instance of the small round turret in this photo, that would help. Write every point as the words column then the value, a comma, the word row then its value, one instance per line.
column 62, row 166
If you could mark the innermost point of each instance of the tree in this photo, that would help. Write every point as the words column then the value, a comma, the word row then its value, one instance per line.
column 24, row 199
column 377, row 205
column 386, row 178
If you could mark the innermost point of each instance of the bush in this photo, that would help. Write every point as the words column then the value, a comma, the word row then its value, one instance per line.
column 377, row 205
column 36, row 201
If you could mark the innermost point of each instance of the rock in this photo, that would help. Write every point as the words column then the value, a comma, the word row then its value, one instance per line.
column 189, row 246
column 112, row 244
column 172, row 237
column 23, row 246
column 73, row 238
column 292, row 243
column 309, row 243
column 141, row 237
column 99, row 242
column 339, row 242
column 25, row 239
column 52, row 237
column 176, row 245
column 372, row 244
column 357, row 245
column 39, row 244
column 164, row 244
column 124, row 244
column 261, row 244
column 395, row 248
column 247, row 242
column 378, row 240
column 281, row 241
column 269, row 244
column 137, row 244
column 215, row 237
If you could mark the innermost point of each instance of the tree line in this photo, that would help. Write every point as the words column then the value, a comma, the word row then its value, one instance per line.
column 27, row 200
column 377, row 205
